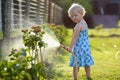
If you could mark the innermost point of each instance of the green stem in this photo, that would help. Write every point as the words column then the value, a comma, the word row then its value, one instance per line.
column 41, row 55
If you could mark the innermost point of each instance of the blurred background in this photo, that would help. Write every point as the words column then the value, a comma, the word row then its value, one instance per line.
column 23, row 13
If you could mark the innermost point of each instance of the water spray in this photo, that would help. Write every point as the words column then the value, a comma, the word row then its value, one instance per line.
column 76, row 65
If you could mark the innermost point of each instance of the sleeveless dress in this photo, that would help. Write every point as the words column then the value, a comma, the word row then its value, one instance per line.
column 82, row 49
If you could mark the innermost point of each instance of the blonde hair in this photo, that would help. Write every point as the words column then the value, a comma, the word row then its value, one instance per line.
column 76, row 7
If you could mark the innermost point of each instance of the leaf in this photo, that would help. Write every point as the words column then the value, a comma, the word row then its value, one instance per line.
column 28, row 76
column 11, row 64
column 3, row 63
column 29, row 58
column 4, row 73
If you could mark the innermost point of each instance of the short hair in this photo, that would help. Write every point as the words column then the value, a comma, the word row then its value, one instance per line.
column 78, row 7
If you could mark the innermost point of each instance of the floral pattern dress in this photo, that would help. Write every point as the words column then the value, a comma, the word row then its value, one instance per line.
column 82, row 49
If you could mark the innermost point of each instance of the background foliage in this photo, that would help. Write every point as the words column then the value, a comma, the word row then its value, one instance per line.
column 65, row 4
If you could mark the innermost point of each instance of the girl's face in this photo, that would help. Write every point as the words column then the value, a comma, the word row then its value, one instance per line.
column 76, row 16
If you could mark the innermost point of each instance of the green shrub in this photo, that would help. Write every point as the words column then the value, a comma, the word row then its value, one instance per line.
column 19, row 67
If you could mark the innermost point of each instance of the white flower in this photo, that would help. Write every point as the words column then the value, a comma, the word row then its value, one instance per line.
column 5, row 69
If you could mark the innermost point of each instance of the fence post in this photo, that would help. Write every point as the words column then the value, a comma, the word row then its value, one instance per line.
column 53, row 12
column 45, row 6
column 6, row 26
column 27, row 12
column 49, row 11
column 38, row 12
column 6, row 18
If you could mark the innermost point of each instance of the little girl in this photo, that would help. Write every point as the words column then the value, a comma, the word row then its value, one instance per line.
column 80, row 43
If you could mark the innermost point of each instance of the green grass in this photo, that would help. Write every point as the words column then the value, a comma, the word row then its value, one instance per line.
column 103, row 48
column 106, row 64
column 104, row 32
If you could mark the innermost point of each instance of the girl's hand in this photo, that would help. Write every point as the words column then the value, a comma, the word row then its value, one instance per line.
column 66, row 48
column 69, row 49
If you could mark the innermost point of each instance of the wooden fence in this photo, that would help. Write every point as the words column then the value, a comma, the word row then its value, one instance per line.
column 33, row 12
column 16, row 14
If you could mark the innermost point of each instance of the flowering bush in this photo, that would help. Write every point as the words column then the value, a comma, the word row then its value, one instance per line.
column 32, row 39
column 26, row 64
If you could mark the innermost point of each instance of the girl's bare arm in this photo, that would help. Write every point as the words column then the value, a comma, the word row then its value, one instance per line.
column 75, row 36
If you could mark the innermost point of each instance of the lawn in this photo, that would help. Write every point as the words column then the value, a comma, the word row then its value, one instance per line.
column 104, row 47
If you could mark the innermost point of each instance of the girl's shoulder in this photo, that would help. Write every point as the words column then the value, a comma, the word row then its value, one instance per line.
column 82, row 24
column 77, row 27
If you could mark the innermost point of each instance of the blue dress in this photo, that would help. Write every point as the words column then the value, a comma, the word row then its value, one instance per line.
column 82, row 50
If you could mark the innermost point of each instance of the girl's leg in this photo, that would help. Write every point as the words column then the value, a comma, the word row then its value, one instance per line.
column 75, row 72
column 87, row 70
